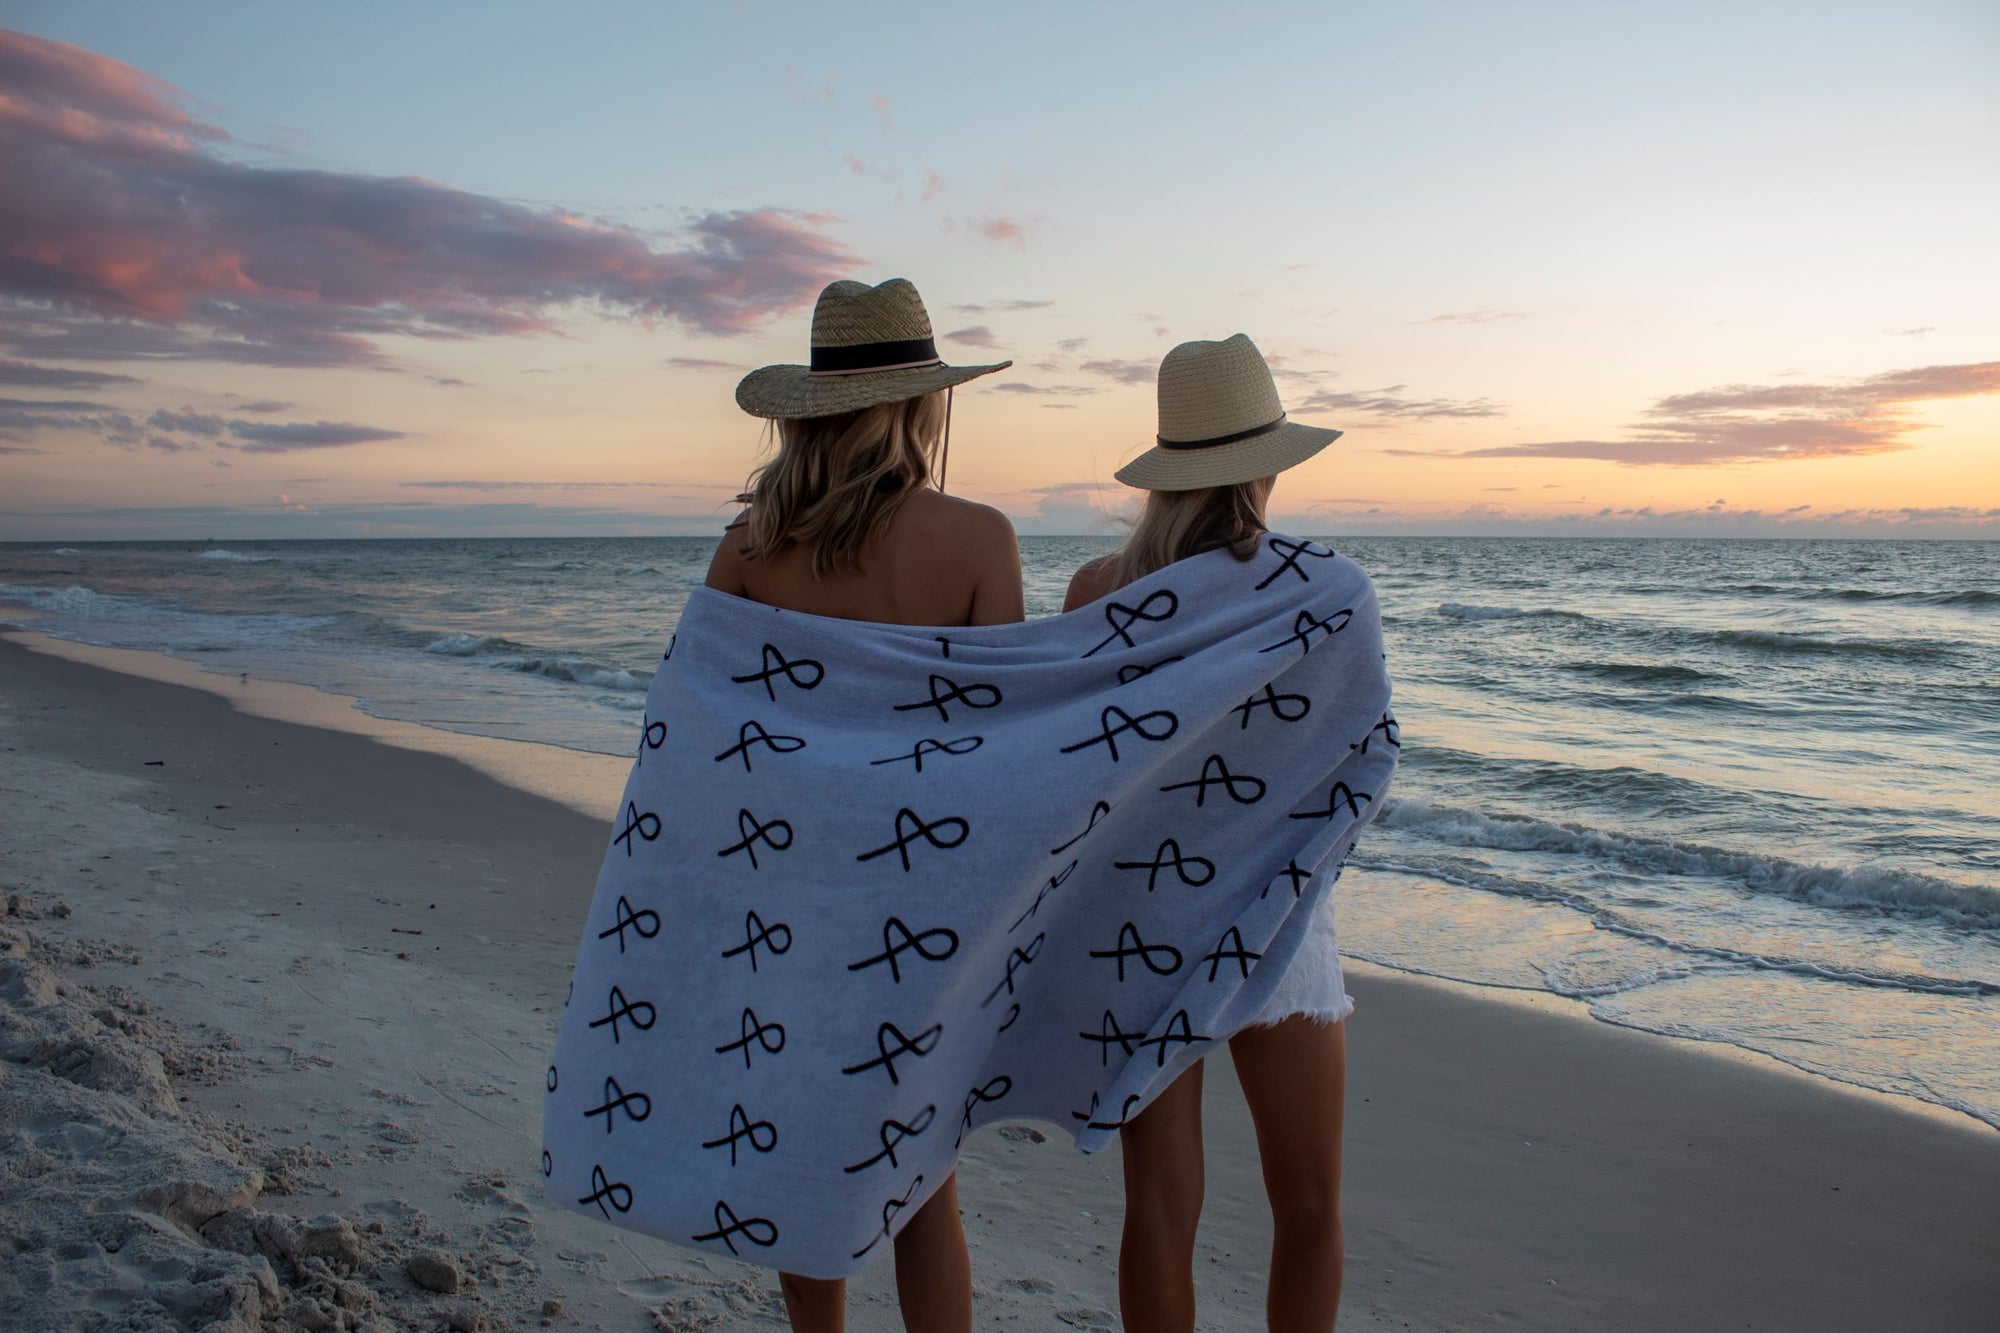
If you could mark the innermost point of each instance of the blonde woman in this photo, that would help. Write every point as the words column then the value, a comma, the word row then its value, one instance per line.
column 847, row 520
column 1223, row 439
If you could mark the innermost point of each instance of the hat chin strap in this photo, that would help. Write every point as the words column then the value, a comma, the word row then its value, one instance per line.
column 944, row 451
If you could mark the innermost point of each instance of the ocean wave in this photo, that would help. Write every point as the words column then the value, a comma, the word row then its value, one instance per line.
column 1850, row 888
column 507, row 655
column 239, row 557
column 1644, row 673
column 1780, row 641
column 65, row 550
column 1467, row 611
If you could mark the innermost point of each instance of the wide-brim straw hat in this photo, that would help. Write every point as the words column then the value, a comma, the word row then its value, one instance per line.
column 870, row 345
column 1221, row 422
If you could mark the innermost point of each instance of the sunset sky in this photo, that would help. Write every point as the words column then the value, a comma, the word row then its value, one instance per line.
column 375, row 270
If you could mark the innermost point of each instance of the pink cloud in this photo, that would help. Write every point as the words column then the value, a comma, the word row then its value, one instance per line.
column 976, row 336
column 123, row 236
column 1009, row 231
column 1738, row 423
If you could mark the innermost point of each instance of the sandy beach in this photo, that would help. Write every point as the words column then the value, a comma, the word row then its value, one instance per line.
column 276, row 999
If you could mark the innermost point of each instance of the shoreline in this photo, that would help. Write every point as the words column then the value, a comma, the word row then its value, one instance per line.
column 1509, row 1162
column 588, row 783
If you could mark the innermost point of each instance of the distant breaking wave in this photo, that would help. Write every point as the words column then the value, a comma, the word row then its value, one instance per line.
column 1466, row 611
column 1782, row 642
column 241, row 557
column 1900, row 892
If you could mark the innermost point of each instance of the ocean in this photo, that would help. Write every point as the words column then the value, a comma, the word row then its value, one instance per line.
column 1739, row 791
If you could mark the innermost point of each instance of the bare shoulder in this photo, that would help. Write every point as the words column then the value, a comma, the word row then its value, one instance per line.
column 1089, row 583
column 725, row 567
column 964, row 524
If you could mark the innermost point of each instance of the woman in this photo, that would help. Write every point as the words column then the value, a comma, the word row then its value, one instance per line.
column 846, row 520
column 1223, row 438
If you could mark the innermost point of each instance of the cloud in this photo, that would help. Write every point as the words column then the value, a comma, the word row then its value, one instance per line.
column 1739, row 423
column 933, row 185
column 1125, row 372
column 1912, row 333
column 1072, row 344
column 278, row 438
column 1474, row 317
column 976, row 336
column 1046, row 390
column 191, row 423
column 1390, row 403
column 469, row 485
column 1002, row 229
column 23, row 375
column 273, row 405
column 702, row 363
column 1078, row 507
column 126, row 235
column 1001, row 307
column 881, row 106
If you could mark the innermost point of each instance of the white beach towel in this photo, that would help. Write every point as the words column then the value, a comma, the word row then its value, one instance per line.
column 874, row 886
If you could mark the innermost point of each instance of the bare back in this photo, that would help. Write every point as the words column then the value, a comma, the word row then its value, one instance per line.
column 943, row 561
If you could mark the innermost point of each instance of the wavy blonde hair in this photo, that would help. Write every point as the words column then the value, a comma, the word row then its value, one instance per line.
column 836, row 482
column 1177, row 524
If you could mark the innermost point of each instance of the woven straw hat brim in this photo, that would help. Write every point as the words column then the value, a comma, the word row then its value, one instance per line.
column 1266, row 455
column 789, row 393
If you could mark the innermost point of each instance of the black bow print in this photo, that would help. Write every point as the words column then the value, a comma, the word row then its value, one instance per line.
column 1109, row 1034
column 646, row 825
column 1122, row 618
column 1279, row 704
column 1092, row 1122
column 996, row 1088
column 770, row 1036
column 1292, row 551
column 777, row 938
column 1178, row 1033
column 1055, row 882
column 1013, row 1014
column 1132, row 671
column 1194, row 871
column 636, row 1012
column 777, row 833
column 1164, row 725
column 897, row 938
column 1306, row 624
column 548, row 1164
column 963, row 745
column 1098, row 810
column 910, row 825
column 668, row 655
column 552, row 1078
column 1392, row 734
column 761, row 1135
column 972, row 696
column 1229, row 949
column 604, row 1190
column 651, row 736
column 635, row 1105
column 1240, row 788
column 645, row 923
column 1017, row 958
column 920, row 1045
column 1299, row 878
column 1131, row 946
column 889, row 1211
column 1341, row 795
column 759, row 1231
column 892, row 1134
column 753, row 733
column 803, row 672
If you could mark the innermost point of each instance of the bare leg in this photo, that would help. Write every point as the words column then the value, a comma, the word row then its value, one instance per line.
column 1294, row 1076
column 933, row 1273
column 1163, row 1193
column 815, row 1305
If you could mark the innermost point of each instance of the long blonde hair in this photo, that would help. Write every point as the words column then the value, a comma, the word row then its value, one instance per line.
column 1177, row 524
column 835, row 482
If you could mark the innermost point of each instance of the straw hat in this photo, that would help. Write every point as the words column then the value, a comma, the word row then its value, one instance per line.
column 1220, row 421
column 870, row 345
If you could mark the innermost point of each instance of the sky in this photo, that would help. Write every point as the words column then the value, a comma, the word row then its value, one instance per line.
column 1676, row 268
